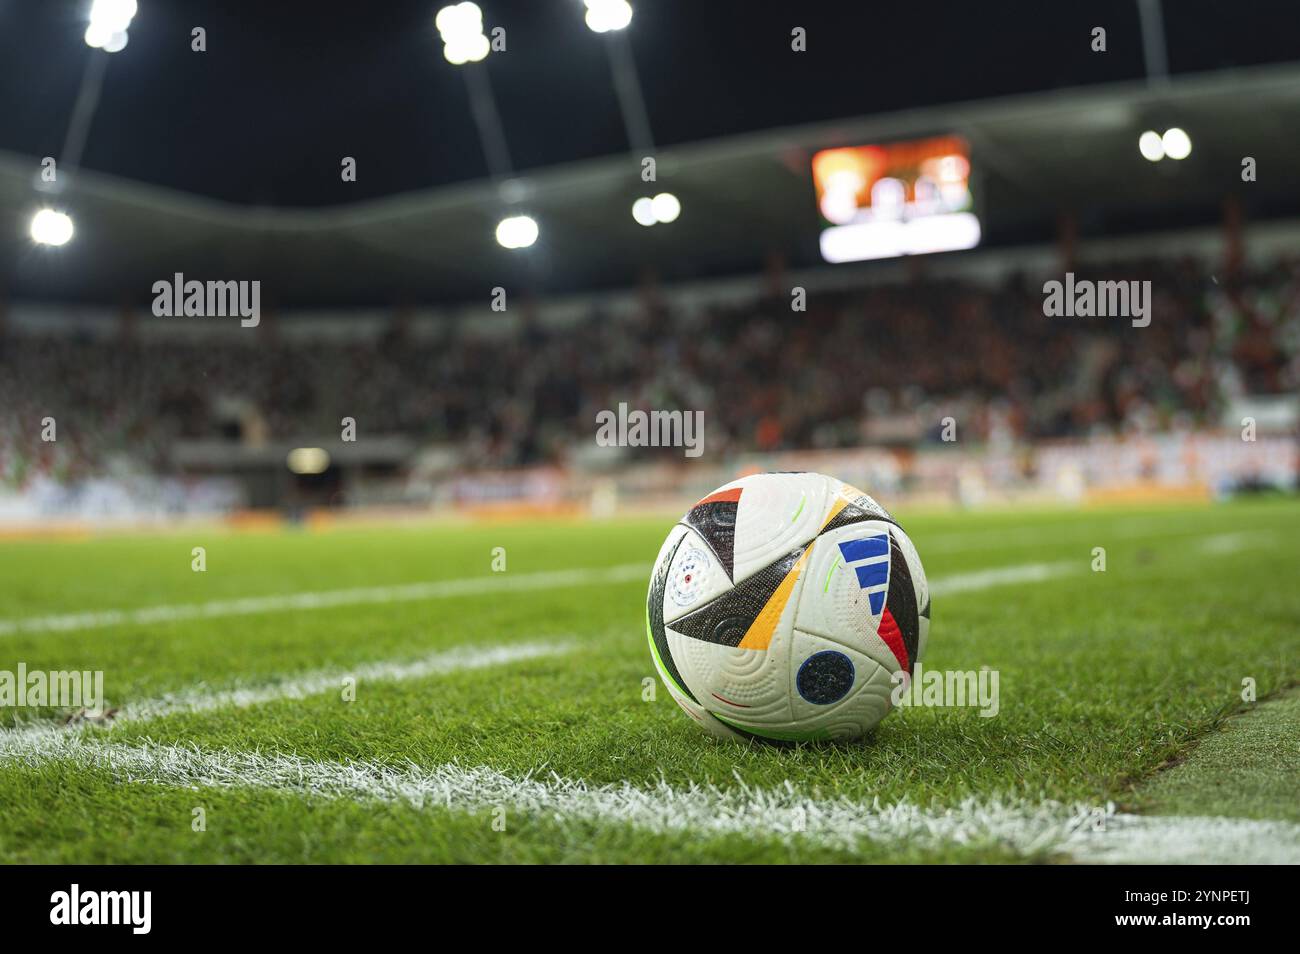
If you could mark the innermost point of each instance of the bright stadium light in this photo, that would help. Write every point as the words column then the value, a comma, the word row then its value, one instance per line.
column 308, row 460
column 116, row 42
column 51, row 228
column 458, row 19
column 461, row 28
column 606, row 15
column 115, row 14
column 517, row 231
column 1150, row 146
column 643, row 211
column 471, row 50
column 1177, row 144
column 662, row 208
column 96, row 35
column 666, row 208
column 109, row 20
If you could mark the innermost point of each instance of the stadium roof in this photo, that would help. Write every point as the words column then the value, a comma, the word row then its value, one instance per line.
column 743, row 197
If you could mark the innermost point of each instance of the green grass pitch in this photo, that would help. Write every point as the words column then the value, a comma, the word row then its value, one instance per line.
column 1107, row 679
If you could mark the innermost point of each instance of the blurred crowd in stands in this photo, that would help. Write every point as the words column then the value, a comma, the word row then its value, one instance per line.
column 881, row 364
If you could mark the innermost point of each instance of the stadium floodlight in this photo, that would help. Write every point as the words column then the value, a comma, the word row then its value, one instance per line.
column 463, row 41
column 643, row 211
column 101, row 37
column 116, row 42
column 1177, row 144
column 1151, row 146
column 308, row 460
column 517, row 231
column 461, row 28
column 50, row 227
column 114, row 14
column 96, row 35
column 109, row 20
column 611, row 17
column 606, row 15
column 666, row 208
column 662, row 208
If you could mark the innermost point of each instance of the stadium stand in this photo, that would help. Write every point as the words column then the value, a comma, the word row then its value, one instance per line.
column 763, row 385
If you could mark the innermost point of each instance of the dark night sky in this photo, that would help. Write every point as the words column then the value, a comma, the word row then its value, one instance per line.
column 289, row 87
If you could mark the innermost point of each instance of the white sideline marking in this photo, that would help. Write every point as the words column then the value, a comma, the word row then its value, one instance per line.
column 1189, row 840
column 458, row 659
column 302, row 686
column 1222, row 544
column 1047, row 534
column 406, row 592
column 1002, row 576
column 439, row 589
column 1034, row 831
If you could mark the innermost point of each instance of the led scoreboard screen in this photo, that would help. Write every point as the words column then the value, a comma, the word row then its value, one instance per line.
column 904, row 198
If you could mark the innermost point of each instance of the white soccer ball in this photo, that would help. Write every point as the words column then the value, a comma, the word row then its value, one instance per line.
column 782, row 606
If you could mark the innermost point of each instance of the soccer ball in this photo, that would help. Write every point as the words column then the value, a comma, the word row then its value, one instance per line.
column 782, row 606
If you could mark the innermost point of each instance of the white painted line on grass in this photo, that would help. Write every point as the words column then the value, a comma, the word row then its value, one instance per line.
column 1002, row 576
column 1188, row 840
column 300, row 686
column 306, row 685
column 440, row 589
column 1049, row 534
column 699, row 811
column 326, row 599
column 1222, row 544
